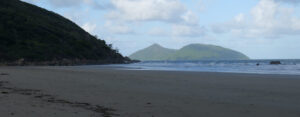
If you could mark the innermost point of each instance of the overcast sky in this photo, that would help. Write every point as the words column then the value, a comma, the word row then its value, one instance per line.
column 262, row 29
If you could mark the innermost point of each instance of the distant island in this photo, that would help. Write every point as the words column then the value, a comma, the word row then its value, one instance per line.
column 190, row 52
column 31, row 35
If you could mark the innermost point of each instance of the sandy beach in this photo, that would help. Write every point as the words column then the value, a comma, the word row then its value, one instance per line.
column 69, row 92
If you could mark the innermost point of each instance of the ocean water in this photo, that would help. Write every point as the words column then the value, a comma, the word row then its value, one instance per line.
column 232, row 66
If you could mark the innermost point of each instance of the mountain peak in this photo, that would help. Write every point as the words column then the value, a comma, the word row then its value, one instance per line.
column 156, row 45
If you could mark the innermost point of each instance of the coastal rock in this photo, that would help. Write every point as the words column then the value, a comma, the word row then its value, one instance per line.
column 275, row 62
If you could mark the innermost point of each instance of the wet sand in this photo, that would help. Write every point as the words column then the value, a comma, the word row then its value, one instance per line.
column 70, row 92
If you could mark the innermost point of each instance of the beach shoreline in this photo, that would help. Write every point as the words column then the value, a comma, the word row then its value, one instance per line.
column 146, row 93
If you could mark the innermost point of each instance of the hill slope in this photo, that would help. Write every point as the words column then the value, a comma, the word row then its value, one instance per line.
column 153, row 52
column 30, row 34
column 189, row 52
column 207, row 52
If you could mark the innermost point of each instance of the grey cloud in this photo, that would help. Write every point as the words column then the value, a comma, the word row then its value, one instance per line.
column 289, row 1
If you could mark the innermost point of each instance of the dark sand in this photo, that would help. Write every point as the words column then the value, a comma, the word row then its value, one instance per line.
column 68, row 92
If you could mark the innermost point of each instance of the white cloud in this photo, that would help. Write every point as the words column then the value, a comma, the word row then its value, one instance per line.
column 98, row 4
column 158, row 31
column 66, row 3
column 190, row 18
column 188, row 30
column 89, row 27
column 267, row 19
column 289, row 1
column 117, row 28
column 264, row 14
column 239, row 18
column 179, row 30
column 31, row 1
column 295, row 24
column 183, row 22
column 151, row 10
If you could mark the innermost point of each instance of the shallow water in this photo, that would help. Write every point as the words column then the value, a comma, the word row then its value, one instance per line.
column 233, row 66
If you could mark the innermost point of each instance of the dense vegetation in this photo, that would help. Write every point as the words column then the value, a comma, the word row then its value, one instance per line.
column 189, row 52
column 34, row 35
